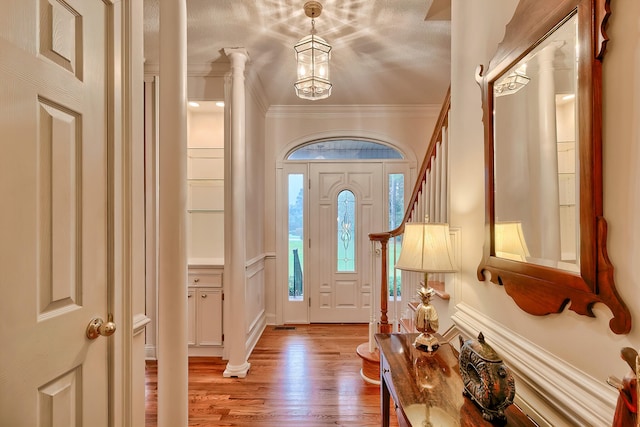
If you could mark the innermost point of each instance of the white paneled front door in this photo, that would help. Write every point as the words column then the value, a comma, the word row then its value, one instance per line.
column 345, row 205
column 54, row 233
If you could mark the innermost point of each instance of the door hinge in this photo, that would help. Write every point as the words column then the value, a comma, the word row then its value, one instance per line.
column 309, row 241
column 222, row 337
column 223, row 296
column 309, row 301
column 309, row 181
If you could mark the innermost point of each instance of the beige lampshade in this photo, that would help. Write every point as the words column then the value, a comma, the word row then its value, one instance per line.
column 426, row 247
column 509, row 241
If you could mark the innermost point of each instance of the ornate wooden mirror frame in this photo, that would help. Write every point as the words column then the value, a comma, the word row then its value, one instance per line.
column 542, row 289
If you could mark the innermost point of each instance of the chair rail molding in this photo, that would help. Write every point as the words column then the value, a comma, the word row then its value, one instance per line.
column 140, row 322
column 551, row 391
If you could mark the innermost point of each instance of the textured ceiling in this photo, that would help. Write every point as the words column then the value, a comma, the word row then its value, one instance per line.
column 384, row 51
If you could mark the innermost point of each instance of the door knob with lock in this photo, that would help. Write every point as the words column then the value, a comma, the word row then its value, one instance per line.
column 98, row 327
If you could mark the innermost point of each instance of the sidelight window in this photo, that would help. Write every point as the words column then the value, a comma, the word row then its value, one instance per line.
column 396, row 214
column 296, row 235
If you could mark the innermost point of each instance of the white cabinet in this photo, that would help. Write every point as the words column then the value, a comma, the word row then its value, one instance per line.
column 208, row 316
column 205, row 227
column 205, row 305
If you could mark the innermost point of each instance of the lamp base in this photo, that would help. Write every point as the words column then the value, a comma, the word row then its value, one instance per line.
column 426, row 342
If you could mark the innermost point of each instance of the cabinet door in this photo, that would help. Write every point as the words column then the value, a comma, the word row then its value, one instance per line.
column 209, row 322
column 191, row 310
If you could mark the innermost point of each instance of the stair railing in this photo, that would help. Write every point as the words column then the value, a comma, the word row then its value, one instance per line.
column 428, row 203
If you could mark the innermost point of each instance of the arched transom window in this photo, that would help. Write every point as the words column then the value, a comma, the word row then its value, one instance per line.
column 344, row 149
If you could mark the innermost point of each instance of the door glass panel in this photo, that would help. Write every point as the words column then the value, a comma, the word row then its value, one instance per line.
column 346, row 232
column 296, row 235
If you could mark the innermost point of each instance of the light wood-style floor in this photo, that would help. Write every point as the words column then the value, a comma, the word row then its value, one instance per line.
column 308, row 376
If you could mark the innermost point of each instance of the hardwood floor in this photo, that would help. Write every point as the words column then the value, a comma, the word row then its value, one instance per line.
column 308, row 376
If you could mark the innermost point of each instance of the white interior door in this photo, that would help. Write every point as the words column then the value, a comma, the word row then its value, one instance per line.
column 53, row 220
column 340, row 282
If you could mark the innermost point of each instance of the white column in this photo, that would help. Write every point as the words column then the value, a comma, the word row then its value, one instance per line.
column 235, row 343
column 549, row 204
column 172, row 255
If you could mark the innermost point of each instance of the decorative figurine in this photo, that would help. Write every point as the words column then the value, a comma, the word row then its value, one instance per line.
column 626, row 414
column 427, row 322
column 487, row 381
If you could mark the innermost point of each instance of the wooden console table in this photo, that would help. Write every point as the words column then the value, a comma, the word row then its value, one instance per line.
column 428, row 387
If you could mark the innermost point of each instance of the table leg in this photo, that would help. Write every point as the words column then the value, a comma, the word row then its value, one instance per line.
column 384, row 401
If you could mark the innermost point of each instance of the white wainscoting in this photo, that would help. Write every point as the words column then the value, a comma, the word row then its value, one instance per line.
column 549, row 389
column 255, row 319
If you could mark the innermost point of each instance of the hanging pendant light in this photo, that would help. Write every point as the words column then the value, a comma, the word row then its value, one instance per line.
column 312, row 57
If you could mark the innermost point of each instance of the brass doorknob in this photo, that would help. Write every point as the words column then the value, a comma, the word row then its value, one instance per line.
column 98, row 327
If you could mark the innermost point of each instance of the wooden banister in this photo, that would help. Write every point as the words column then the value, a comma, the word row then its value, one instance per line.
column 412, row 205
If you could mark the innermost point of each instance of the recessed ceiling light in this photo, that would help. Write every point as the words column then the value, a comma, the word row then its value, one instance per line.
column 219, row 104
column 568, row 97
column 193, row 104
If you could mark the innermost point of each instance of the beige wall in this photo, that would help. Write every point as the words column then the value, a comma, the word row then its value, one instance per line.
column 586, row 344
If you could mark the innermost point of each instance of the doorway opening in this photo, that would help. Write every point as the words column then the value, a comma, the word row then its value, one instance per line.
column 337, row 191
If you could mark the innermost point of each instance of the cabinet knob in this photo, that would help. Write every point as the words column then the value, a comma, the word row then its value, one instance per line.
column 203, row 295
column 196, row 280
column 189, row 295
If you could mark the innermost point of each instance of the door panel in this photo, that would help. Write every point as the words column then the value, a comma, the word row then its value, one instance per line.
column 53, row 222
column 342, row 295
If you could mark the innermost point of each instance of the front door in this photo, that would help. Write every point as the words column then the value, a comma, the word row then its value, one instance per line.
column 345, row 205
column 54, row 233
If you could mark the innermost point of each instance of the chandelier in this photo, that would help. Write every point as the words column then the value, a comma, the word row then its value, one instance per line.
column 312, row 57
column 513, row 82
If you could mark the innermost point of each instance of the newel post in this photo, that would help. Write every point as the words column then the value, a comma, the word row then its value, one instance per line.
column 383, row 238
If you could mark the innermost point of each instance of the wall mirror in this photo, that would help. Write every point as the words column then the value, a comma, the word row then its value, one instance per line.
column 546, row 235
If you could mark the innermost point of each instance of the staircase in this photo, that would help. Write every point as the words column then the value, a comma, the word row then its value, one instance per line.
column 429, row 202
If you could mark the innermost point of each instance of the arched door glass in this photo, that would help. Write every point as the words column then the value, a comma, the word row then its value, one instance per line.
column 346, row 228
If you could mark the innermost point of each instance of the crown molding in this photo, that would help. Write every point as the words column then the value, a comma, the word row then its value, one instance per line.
column 212, row 69
column 336, row 111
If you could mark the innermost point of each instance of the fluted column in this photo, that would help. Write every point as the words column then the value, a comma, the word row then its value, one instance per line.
column 235, row 222
column 172, row 255
column 549, row 200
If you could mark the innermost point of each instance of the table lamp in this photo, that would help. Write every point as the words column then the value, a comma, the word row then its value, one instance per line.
column 509, row 241
column 426, row 248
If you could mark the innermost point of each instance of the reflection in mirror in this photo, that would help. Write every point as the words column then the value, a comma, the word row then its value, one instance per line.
column 535, row 156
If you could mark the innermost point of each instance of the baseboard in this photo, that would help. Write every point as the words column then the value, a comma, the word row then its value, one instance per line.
column 257, row 329
column 550, row 390
column 150, row 352
column 270, row 319
column 205, row 351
